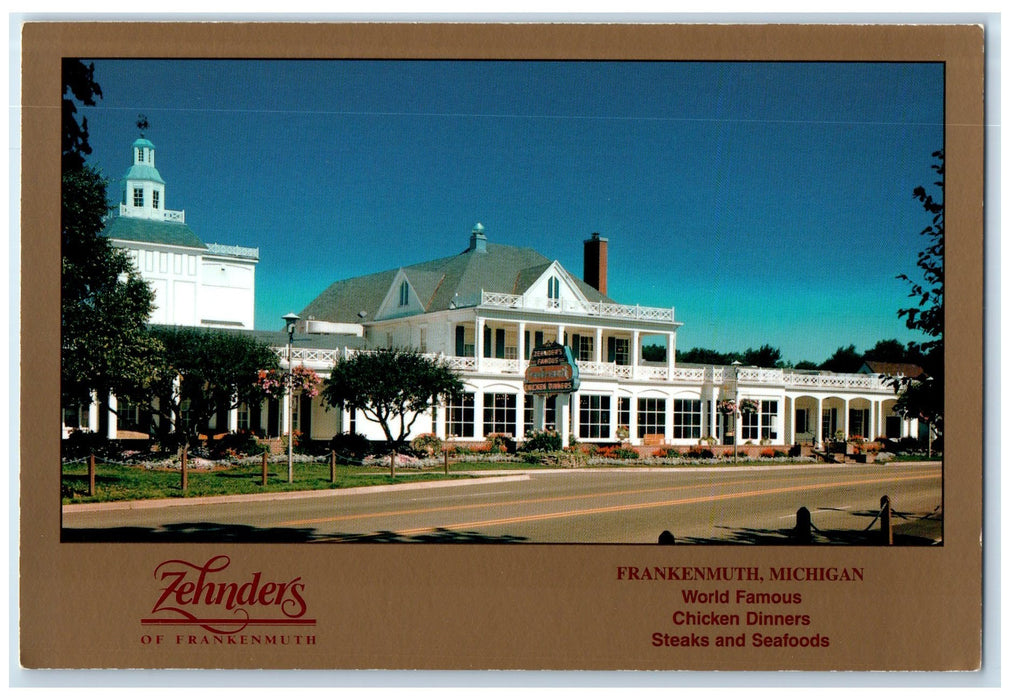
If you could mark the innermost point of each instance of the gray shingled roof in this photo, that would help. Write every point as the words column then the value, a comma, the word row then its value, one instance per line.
column 148, row 231
column 505, row 269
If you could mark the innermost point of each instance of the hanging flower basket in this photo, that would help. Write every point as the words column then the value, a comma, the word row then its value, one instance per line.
column 726, row 406
column 748, row 406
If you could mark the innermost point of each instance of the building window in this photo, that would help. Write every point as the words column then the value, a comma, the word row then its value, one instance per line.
column 138, row 196
column 154, row 198
column 594, row 416
column 769, row 420
column 459, row 416
column 423, row 344
column 624, row 412
column 127, row 415
column 749, row 426
column 618, row 351
column 500, row 414
column 76, row 417
column 140, row 155
column 553, row 293
column 296, row 406
column 859, row 422
column 829, row 422
column 687, row 418
column 584, row 350
column 243, row 417
column 528, row 413
column 651, row 417
column 404, row 293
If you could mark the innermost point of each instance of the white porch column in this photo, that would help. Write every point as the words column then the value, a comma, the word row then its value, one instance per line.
column 113, row 426
column 633, row 420
column 668, row 420
column 780, row 419
column 845, row 419
column 478, row 343
column 93, row 413
column 233, row 420
column 712, row 420
column 561, row 334
column 478, row 413
column 598, row 348
column 872, row 427
column 671, row 351
column 819, row 423
column 635, row 339
column 613, row 415
column 564, row 418
column 438, row 420
column 573, row 403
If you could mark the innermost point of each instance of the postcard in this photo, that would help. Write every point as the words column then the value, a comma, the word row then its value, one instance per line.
column 501, row 346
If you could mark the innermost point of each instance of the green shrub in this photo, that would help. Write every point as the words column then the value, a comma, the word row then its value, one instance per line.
column 240, row 444
column 427, row 444
column 351, row 445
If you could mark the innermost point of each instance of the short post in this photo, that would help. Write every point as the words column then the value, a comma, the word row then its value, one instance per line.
column 886, row 531
column 91, row 475
column 265, row 468
column 333, row 466
column 446, row 453
column 666, row 537
column 802, row 532
column 185, row 472
column 392, row 464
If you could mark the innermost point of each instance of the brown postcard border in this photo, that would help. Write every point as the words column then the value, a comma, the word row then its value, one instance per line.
column 500, row 606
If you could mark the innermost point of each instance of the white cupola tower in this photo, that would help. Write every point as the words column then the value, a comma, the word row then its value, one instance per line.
column 143, row 189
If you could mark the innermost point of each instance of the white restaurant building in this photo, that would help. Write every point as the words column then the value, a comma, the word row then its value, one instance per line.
column 482, row 311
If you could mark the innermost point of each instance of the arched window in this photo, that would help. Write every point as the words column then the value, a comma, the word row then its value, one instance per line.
column 404, row 293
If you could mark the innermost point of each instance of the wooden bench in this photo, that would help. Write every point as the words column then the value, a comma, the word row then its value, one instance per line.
column 653, row 439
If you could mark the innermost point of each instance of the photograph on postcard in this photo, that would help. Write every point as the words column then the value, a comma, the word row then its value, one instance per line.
column 503, row 301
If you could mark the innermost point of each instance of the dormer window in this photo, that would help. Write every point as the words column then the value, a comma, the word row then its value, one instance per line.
column 138, row 196
column 553, row 293
column 404, row 293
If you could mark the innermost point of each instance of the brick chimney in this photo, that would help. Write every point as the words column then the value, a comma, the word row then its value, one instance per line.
column 594, row 263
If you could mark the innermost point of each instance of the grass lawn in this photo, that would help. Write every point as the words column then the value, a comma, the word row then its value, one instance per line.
column 116, row 482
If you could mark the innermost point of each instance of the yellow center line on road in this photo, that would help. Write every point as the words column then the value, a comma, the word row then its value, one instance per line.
column 530, row 501
column 659, row 504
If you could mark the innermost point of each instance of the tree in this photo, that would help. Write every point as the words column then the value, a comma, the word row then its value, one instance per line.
column 654, row 353
column 765, row 356
column 887, row 351
column 845, row 359
column 923, row 398
column 203, row 371
column 390, row 386
column 78, row 84
column 105, row 304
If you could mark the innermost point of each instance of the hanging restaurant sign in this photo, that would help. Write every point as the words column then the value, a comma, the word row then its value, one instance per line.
column 552, row 370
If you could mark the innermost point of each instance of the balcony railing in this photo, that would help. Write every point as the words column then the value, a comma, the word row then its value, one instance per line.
column 235, row 251
column 598, row 309
column 323, row 359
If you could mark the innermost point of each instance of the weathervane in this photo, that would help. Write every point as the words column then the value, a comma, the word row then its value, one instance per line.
column 142, row 124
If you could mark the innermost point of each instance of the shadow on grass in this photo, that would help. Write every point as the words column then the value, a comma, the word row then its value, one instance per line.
column 226, row 532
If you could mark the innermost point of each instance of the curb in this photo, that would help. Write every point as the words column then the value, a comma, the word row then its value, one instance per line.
column 286, row 495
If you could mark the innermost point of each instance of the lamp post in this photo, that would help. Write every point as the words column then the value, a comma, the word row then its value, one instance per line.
column 289, row 321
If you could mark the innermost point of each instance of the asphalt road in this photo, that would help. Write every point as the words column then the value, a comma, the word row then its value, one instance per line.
column 747, row 505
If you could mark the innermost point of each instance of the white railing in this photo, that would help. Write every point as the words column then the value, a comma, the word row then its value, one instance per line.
column 656, row 374
column 755, row 375
column 238, row 251
column 600, row 309
column 172, row 215
column 494, row 364
column 301, row 355
column 869, row 382
column 689, row 374
column 464, row 364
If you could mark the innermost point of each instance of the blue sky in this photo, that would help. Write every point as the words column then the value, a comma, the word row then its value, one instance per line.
column 767, row 202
